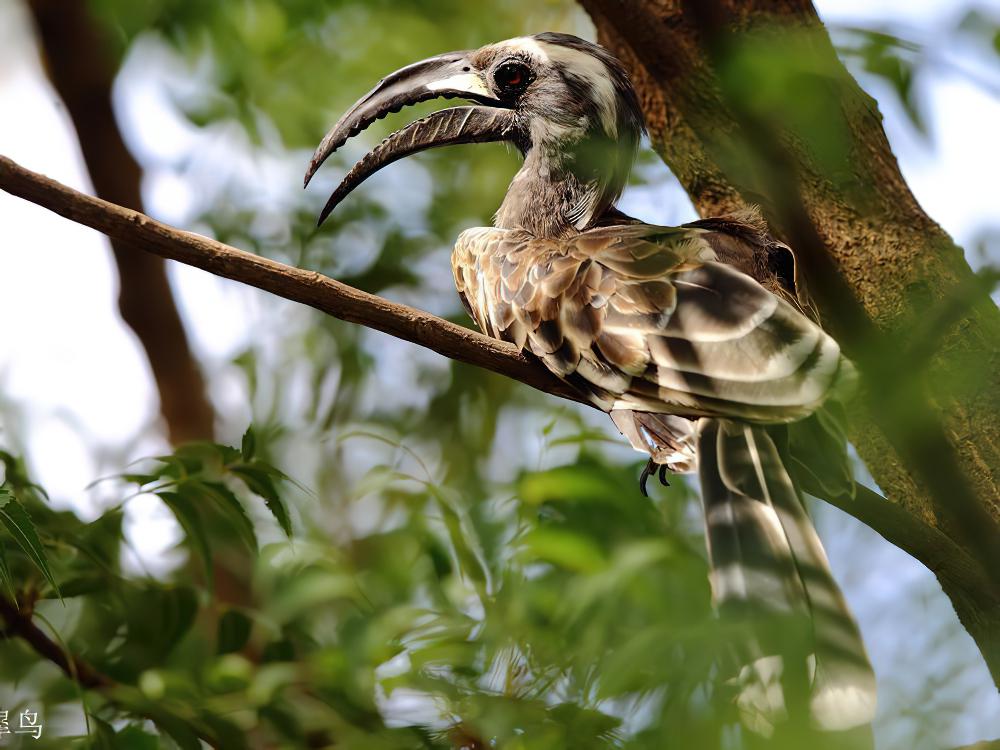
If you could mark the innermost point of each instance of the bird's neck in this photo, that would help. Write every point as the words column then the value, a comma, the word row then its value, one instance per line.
column 561, row 190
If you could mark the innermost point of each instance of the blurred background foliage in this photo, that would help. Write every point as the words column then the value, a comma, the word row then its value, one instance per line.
column 402, row 552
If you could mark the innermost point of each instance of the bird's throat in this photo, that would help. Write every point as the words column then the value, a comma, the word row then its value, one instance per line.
column 555, row 194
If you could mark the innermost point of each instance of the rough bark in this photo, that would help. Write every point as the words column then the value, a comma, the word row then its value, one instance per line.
column 873, row 259
column 74, row 53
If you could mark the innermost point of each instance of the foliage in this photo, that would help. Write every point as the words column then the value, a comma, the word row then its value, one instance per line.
column 900, row 61
column 491, row 613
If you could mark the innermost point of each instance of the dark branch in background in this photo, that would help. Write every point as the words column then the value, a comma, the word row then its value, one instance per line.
column 875, row 263
column 19, row 624
column 895, row 523
column 74, row 53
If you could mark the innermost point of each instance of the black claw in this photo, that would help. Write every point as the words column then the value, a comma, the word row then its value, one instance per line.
column 647, row 470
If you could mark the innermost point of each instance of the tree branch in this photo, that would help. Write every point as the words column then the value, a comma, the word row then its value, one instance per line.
column 295, row 284
column 21, row 625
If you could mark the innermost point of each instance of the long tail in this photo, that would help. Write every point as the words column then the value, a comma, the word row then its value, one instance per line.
column 769, row 572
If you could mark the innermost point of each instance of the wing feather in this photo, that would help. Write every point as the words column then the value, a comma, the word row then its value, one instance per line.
column 646, row 315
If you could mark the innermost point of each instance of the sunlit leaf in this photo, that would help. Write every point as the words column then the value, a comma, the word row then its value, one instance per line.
column 261, row 482
column 21, row 528
column 576, row 484
column 564, row 548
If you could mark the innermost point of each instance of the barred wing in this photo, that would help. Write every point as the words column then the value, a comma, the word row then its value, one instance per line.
column 643, row 318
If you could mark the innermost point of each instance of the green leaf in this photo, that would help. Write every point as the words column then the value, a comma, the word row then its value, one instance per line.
column 234, row 631
column 177, row 729
column 233, row 508
column 102, row 735
column 571, row 484
column 140, row 479
column 226, row 734
column 565, row 549
column 83, row 585
column 158, row 619
column 249, row 444
column 190, row 520
column 259, row 480
column 135, row 738
column 132, row 737
column 460, row 540
column 5, row 578
column 20, row 526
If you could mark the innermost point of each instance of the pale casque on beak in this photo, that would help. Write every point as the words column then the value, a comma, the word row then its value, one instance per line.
column 447, row 76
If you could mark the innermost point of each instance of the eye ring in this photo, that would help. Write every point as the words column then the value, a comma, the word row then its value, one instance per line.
column 512, row 77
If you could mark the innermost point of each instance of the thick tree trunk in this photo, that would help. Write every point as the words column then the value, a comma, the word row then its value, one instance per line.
column 75, row 56
column 880, row 269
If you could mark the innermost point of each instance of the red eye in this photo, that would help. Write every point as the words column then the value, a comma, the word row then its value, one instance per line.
column 512, row 77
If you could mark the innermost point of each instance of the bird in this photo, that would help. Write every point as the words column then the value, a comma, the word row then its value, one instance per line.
column 700, row 341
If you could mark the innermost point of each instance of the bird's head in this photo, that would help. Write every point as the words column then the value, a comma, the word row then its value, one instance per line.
column 566, row 103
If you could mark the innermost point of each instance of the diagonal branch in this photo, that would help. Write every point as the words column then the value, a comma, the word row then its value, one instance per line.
column 20, row 624
column 295, row 284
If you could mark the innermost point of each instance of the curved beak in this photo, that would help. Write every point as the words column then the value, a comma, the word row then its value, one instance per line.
column 446, row 76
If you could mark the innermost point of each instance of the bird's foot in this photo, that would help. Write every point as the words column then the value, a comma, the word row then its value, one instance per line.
column 648, row 470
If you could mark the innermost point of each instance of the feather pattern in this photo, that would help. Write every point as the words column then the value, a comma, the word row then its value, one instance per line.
column 770, row 571
column 651, row 319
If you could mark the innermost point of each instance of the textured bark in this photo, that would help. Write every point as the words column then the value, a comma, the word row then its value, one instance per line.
column 75, row 61
column 875, row 262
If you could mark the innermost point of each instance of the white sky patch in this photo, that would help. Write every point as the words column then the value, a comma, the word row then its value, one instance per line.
column 68, row 358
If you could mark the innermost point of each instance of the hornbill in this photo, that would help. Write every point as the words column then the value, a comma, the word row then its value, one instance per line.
column 698, row 340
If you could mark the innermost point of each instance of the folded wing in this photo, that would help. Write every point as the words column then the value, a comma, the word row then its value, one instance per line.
column 644, row 318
